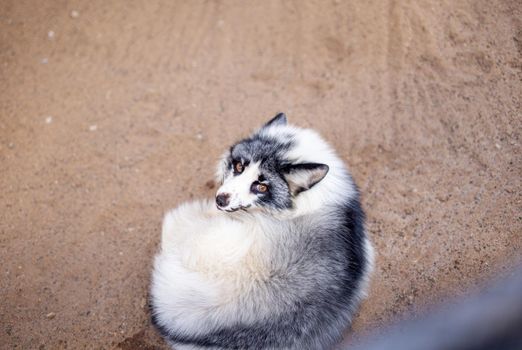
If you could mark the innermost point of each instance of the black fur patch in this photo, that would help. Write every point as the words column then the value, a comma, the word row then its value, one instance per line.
column 279, row 119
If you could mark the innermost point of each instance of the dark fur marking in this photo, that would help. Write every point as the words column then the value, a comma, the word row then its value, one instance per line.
column 279, row 119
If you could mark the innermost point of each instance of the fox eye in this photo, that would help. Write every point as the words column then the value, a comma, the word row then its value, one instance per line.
column 262, row 188
column 259, row 188
column 238, row 167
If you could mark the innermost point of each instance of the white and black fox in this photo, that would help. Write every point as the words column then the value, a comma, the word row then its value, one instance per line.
column 279, row 260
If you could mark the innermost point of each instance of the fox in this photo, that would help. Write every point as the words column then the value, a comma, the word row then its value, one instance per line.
column 279, row 259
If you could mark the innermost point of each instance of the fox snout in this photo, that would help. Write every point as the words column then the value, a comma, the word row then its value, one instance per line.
column 223, row 200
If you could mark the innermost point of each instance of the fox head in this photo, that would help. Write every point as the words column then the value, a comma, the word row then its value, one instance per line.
column 265, row 171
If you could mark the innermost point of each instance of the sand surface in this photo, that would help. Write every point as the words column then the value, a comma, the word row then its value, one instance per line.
column 112, row 112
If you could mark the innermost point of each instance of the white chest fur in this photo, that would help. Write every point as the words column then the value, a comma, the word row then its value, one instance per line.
column 214, row 244
column 207, row 267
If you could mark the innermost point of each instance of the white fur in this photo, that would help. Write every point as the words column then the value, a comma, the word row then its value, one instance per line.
column 238, row 187
column 217, row 256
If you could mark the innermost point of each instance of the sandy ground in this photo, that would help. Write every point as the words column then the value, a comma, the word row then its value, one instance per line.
column 113, row 112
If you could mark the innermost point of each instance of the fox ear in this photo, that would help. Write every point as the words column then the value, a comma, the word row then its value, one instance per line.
column 279, row 119
column 303, row 176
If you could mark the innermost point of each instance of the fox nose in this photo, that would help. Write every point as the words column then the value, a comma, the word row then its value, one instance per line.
column 223, row 199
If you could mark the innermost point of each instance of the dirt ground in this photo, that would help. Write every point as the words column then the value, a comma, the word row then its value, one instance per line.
column 113, row 112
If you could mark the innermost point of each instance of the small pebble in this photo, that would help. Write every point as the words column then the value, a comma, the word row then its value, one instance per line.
column 93, row 127
column 48, row 120
column 50, row 315
column 44, row 60
column 51, row 34
column 199, row 136
column 497, row 145
column 10, row 145
column 75, row 14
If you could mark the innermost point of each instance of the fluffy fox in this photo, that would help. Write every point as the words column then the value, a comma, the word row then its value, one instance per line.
column 279, row 260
